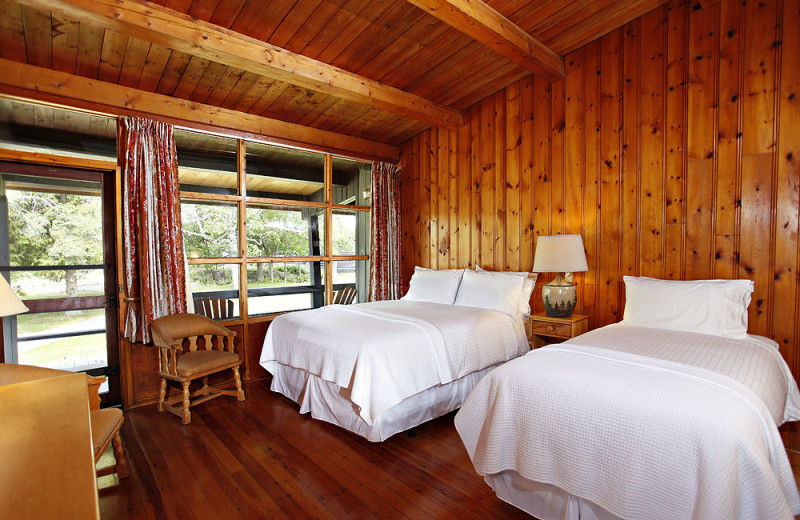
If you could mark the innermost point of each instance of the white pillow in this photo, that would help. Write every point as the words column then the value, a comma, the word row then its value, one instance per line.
column 437, row 286
column 488, row 290
column 717, row 307
column 527, row 288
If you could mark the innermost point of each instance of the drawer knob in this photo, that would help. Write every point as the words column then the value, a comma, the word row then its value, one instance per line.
column 550, row 328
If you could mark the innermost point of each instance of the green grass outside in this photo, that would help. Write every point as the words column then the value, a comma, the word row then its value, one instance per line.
column 77, row 348
column 35, row 323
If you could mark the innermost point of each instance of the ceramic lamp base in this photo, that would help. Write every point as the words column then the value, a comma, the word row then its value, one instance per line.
column 559, row 298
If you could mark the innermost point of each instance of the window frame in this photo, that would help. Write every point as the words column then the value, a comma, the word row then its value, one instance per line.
column 242, row 201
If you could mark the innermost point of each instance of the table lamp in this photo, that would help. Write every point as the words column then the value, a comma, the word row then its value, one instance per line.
column 557, row 254
column 10, row 304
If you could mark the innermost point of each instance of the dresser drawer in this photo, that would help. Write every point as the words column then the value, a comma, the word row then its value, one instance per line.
column 561, row 330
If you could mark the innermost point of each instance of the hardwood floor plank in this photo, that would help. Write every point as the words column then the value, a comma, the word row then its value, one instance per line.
column 262, row 459
column 324, row 456
column 295, row 469
column 170, row 485
column 335, row 454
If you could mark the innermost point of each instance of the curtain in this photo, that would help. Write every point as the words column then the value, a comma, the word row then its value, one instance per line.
column 385, row 233
column 154, row 259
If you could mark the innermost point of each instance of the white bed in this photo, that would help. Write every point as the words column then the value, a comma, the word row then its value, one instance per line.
column 639, row 422
column 384, row 367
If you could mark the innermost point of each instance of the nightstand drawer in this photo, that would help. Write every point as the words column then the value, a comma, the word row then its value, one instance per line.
column 563, row 330
column 544, row 329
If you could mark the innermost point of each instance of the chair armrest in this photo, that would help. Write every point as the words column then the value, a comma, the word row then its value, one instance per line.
column 163, row 340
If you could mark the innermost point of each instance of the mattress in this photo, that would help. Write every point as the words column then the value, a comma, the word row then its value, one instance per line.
column 353, row 364
column 630, row 422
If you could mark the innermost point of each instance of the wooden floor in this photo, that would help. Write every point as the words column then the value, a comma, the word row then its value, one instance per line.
column 262, row 459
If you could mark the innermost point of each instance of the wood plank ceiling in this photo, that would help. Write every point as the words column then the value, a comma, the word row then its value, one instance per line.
column 428, row 71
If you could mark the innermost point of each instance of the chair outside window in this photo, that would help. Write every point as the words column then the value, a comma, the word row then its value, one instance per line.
column 345, row 296
column 191, row 347
column 214, row 308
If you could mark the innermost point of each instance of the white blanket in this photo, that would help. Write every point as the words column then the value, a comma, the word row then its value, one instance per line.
column 642, row 437
column 384, row 352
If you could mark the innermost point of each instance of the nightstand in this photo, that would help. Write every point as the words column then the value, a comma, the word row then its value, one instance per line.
column 542, row 328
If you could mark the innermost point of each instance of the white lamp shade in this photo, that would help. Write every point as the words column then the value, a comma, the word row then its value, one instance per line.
column 10, row 304
column 559, row 254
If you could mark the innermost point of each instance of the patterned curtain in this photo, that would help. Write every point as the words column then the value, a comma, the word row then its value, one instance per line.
column 151, row 226
column 385, row 260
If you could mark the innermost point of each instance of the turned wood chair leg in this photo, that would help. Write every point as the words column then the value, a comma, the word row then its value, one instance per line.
column 205, row 390
column 187, row 414
column 162, row 395
column 122, row 466
column 238, row 379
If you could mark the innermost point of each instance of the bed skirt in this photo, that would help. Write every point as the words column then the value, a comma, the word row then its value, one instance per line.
column 544, row 501
column 328, row 402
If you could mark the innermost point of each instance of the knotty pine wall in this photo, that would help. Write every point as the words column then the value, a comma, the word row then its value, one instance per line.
column 672, row 146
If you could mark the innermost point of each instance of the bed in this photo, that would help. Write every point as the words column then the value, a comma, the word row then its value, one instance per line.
column 380, row 368
column 672, row 413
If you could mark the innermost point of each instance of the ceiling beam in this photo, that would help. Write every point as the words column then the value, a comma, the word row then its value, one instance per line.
column 28, row 81
column 154, row 23
column 482, row 23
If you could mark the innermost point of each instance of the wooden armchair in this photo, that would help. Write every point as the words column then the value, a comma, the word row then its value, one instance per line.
column 179, row 338
column 105, row 423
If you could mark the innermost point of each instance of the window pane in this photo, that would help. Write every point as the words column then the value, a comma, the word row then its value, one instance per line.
column 75, row 352
column 215, row 290
column 283, row 173
column 278, row 287
column 53, row 221
column 37, row 285
column 206, row 163
column 210, row 230
column 37, row 128
column 285, row 231
column 351, row 181
column 352, row 273
column 350, row 232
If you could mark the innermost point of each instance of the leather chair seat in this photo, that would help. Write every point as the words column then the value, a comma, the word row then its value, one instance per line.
column 191, row 363
column 105, row 424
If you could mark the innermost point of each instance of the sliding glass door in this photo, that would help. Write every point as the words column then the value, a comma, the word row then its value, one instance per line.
column 57, row 250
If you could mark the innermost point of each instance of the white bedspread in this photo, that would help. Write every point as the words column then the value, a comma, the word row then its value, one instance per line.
column 642, row 437
column 385, row 352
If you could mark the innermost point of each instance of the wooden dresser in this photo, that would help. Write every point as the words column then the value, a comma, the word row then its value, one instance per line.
column 47, row 468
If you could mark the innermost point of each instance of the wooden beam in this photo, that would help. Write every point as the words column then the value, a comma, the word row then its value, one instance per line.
column 482, row 23
column 174, row 30
column 19, row 79
column 58, row 159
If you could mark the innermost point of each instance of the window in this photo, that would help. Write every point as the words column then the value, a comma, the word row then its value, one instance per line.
column 261, row 245
column 210, row 229
column 55, row 245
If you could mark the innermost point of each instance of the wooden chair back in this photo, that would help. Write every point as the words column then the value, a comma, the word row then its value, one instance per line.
column 214, row 308
column 345, row 296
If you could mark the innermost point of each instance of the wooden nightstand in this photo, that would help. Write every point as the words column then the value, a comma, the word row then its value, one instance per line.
column 543, row 327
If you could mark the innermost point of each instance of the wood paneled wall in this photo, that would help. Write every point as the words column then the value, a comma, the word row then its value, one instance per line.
column 672, row 146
